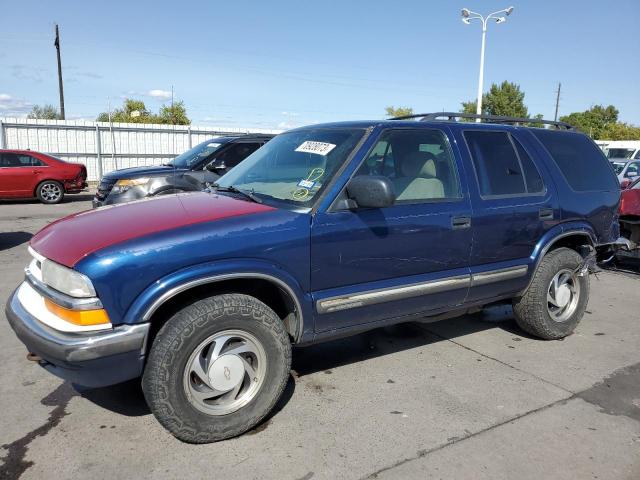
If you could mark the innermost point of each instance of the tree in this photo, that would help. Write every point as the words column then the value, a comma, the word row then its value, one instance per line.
column 175, row 114
column 46, row 112
column 595, row 121
column 505, row 99
column 135, row 111
column 620, row 131
column 393, row 112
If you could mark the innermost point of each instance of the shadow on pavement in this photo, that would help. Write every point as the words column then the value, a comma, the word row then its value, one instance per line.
column 128, row 399
column 13, row 239
column 68, row 198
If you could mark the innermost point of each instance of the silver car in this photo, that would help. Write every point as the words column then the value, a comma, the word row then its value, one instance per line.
column 626, row 170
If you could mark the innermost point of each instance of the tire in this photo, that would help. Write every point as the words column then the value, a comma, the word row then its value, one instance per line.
column 537, row 312
column 171, row 384
column 50, row 192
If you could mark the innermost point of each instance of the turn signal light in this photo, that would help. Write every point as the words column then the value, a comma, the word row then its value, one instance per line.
column 78, row 317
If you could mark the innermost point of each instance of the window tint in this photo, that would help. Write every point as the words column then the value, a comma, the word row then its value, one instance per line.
column 496, row 163
column 531, row 174
column 419, row 163
column 236, row 153
column 17, row 160
column 580, row 160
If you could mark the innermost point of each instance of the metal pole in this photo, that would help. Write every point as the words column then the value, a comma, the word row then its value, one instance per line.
column 98, row 152
column 3, row 140
column 481, row 75
column 555, row 118
column 189, row 136
column 57, row 45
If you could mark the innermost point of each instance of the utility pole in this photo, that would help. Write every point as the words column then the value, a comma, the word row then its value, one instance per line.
column 57, row 45
column 555, row 118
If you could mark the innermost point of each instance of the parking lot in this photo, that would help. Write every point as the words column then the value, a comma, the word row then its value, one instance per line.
column 472, row 397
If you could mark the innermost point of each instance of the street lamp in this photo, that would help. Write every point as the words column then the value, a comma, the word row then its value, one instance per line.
column 467, row 17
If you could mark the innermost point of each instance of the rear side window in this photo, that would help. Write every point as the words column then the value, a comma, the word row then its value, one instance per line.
column 502, row 168
column 581, row 162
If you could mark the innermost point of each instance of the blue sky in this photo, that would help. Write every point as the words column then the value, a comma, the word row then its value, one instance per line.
column 280, row 64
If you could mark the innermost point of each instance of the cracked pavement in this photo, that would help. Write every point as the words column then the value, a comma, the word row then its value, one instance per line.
column 472, row 397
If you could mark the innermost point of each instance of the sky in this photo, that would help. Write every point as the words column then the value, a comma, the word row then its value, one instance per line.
column 282, row 64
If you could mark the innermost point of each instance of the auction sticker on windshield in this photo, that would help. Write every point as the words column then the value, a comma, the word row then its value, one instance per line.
column 319, row 148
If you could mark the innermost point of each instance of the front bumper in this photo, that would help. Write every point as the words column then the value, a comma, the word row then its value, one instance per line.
column 93, row 359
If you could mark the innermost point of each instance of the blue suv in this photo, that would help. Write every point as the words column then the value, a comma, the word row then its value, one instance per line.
column 326, row 231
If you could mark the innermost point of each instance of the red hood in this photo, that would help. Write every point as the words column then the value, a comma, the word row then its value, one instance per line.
column 70, row 239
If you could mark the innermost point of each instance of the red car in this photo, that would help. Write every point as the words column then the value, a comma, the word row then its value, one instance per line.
column 27, row 174
column 630, row 218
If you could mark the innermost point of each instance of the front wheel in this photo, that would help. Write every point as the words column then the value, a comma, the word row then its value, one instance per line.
column 555, row 302
column 217, row 368
column 50, row 192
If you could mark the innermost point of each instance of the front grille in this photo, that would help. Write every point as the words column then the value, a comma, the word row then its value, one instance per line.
column 104, row 187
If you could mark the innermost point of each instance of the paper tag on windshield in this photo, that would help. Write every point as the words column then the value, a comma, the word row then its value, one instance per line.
column 308, row 184
column 319, row 148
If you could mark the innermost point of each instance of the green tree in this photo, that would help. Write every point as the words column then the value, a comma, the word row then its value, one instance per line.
column 135, row 111
column 595, row 121
column 46, row 112
column 505, row 99
column 393, row 112
column 620, row 131
column 175, row 114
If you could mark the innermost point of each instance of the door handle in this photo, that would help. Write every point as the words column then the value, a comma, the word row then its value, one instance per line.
column 458, row 223
column 545, row 214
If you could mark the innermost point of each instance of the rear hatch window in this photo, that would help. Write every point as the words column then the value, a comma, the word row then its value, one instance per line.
column 582, row 163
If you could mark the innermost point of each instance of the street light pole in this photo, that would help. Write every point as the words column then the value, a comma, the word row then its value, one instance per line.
column 481, row 74
column 467, row 16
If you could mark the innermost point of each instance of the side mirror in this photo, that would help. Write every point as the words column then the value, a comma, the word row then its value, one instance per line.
column 371, row 191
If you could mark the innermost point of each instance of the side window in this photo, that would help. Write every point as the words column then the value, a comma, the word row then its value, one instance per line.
column 29, row 161
column 581, row 162
column 633, row 170
column 496, row 163
column 419, row 163
column 10, row 160
column 237, row 153
column 637, row 157
column 531, row 174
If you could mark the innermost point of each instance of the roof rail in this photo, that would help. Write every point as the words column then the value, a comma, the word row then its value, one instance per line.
column 452, row 116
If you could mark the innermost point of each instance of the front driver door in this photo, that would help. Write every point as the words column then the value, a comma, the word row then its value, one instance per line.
column 369, row 265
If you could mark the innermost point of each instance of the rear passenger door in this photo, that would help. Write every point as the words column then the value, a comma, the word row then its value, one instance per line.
column 514, row 204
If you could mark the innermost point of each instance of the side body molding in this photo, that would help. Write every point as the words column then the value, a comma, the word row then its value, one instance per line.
column 166, row 288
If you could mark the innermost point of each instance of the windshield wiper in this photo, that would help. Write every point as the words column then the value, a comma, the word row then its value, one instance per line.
column 248, row 194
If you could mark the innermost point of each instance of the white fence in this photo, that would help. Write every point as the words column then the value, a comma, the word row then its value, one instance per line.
column 102, row 147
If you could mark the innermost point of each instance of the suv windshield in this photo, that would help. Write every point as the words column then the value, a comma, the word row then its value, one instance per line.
column 198, row 153
column 620, row 152
column 295, row 166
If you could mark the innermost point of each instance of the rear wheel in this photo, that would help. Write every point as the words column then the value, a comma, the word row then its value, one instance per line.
column 555, row 302
column 217, row 368
column 50, row 192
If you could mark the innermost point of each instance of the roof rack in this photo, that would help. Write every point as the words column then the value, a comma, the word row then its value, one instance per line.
column 452, row 116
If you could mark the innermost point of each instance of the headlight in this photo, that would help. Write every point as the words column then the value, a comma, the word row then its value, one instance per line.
column 123, row 185
column 66, row 280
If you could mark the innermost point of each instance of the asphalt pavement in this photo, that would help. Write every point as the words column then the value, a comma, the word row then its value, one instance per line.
column 468, row 398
